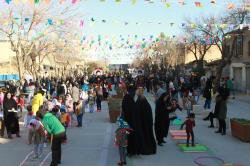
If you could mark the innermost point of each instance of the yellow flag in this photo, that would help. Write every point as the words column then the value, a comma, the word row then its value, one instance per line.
column 134, row 2
column 16, row 2
column 168, row 5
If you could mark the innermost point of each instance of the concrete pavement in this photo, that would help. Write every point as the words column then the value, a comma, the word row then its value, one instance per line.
column 92, row 145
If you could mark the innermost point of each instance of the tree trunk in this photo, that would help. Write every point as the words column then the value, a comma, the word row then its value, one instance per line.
column 226, row 59
column 19, row 66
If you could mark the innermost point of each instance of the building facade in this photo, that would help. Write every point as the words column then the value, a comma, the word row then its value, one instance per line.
column 240, row 63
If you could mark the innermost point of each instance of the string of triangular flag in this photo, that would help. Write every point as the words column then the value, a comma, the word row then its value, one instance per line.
column 168, row 3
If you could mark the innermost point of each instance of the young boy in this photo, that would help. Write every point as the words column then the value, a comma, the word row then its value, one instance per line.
column 37, row 134
column 29, row 116
column 91, row 101
column 190, row 124
column 121, row 139
column 187, row 103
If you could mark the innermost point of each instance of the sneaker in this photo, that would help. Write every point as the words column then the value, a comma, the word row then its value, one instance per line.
column 44, row 145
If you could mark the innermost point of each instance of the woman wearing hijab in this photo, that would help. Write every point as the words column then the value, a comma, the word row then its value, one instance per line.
column 147, row 144
column 131, row 115
column 10, row 115
column 161, row 117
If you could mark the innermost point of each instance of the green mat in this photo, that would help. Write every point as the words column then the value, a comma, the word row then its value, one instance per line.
column 177, row 122
column 197, row 148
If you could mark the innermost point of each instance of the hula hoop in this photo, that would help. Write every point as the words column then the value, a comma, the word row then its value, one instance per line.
column 198, row 163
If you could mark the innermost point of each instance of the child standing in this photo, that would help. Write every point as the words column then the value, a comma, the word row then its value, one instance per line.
column 91, row 101
column 29, row 116
column 37, row 134
column 121, row 139
column 190, row 124
column 187, row 103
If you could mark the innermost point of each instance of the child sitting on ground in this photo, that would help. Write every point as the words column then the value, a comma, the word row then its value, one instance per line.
column 37, row 134
column 121, row 139
column 190, row 124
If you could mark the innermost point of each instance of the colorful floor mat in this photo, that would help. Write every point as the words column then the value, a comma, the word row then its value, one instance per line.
column 196, row 149
column 177, row 122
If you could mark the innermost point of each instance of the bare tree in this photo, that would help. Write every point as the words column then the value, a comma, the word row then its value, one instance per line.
column 219, row 30
column 29, row 30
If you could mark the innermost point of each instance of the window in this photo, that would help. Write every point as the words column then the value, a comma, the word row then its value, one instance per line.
column 248, row 48
column 239, row 46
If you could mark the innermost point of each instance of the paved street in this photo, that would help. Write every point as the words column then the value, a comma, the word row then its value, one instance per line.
column 93, row 145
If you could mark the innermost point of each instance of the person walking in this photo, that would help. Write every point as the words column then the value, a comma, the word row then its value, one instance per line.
column 207, row 94
column 221, row 112
column 161, row 117
column 147, row 144
column 10, row 116
column 57, row 131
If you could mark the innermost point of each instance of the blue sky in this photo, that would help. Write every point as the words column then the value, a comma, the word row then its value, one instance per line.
column 143, row 13
column 116, row 14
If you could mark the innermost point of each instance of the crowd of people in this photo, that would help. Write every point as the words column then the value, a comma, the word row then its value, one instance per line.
column 170, row 95
column 49, row 106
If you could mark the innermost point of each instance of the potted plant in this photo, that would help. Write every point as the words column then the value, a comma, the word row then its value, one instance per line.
column 240, row 129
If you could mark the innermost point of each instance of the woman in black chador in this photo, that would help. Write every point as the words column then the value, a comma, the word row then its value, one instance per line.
column 10, row 116
column 131, row 115
column 147, row 143
column 161, row 117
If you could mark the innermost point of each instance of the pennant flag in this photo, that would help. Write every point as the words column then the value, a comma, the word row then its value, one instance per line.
column 193, row 26
column 92, row 19
column 81, row 23
column 102, row 0
column 50, row 21
column 73, row 1
column 26, row 19
column 61, row 2
column 171, row 24
column 181, row 2
column 231, row 6
column 167, row 5
column 134, row 2
column 36, row 1
column 47, row 1
column 198, row 4
column 16, row 2
column 118, row 1
column 8, row 1
column 104, row 21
